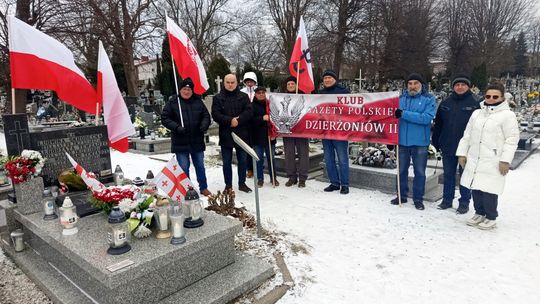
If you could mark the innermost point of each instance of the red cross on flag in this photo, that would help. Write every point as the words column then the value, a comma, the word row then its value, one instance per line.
column 173, row 180
column 88, row 177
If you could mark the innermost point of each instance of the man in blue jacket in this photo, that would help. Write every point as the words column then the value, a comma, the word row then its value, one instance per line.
column 450, row 122
column 338, row 179
column 415, row 113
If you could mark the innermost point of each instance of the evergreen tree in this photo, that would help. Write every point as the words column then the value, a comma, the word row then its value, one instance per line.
column 520, row 57
column 219, row 66
column 479, row 76
column 165, row 77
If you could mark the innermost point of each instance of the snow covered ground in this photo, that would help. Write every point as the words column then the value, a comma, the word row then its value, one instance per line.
column 361, row 249
column 358, row 248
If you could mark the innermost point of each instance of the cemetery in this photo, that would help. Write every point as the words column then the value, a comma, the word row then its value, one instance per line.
column 98, row 206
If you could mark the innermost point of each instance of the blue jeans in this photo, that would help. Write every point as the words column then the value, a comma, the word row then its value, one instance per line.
column 263, row 150
column 341, row 148
column 419, row 155
column 241, row 156
column 198, row 163
column 450, row 163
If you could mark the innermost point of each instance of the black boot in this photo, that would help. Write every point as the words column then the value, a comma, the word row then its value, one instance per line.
column 462, row 209
column 396, row 201
column 331, row 188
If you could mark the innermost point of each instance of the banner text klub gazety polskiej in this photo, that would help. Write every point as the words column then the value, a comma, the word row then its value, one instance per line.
column 354, row 117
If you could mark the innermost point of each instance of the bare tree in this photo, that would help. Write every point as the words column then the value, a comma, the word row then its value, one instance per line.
column 124, row 24
column 534, row 37
column 207, row 22
column 259, row 48
column 492, row 24
column 286, row 16
column 456, row 30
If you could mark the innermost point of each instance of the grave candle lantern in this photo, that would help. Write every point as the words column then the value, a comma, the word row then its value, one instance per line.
column 177, row 224
column 162, row 217
column 68, row 217
column 195, row 209
column 18, row 240
column 118, row 235
column 118, row 176
column 48, row 206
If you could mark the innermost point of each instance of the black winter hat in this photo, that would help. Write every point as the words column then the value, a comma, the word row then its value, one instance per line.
column 290, row 78
column 463, row 79
column 260, row 88
column 187, row 83
column 415, row 76
column 330, row 73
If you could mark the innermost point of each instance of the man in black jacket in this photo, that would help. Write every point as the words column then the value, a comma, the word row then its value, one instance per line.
column 231, row 109
column 450, row 122
column 187, row 130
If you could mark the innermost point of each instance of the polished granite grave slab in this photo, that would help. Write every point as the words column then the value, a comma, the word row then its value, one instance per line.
column 158, row 270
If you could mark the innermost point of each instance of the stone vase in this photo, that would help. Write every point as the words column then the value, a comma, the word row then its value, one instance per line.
column 29, row 195
column 142, row 132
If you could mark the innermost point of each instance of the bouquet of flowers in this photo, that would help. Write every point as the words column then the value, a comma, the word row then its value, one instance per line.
column 109, row 197
column 164, row 132
column 24, row 167
column 139, row 123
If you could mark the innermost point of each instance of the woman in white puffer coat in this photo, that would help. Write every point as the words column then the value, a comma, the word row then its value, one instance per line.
column 485, row 152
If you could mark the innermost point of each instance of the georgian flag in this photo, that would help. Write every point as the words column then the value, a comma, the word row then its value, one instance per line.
column 115, row 111
column 300, row 64
column 88, row 177
column 40, row 62
column 187, row 61
column 173, row 180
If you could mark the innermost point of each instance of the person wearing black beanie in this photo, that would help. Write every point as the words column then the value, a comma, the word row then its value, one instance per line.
column 415, row 113
column 450, row 121
column 187, row 134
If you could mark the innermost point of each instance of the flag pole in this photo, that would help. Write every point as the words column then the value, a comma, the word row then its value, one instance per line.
column 398, row 182
column 177, row 93
column 298, row 75
column 12, row 100
column 97, row 113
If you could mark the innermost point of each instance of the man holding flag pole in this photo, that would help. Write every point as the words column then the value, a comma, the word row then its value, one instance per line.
column 300, row 81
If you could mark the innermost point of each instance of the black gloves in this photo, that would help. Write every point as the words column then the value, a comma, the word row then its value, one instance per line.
column 180, row 130
column 202, row 129
column 398, row 113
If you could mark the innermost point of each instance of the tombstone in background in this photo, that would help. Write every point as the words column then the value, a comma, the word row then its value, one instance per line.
column 131, row 102
column 148, row 118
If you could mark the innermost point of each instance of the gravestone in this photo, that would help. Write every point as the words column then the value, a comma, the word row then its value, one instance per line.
column 87, row 145
column 148, row 118
column 77, row 269
column 17, row 133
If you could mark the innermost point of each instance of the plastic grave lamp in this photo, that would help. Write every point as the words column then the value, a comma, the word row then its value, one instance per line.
column 48, row 206
column 177, row 225
column 118, row 235
column 162, row 218
column 195, row 209
column 118, row 176
column 68, row 217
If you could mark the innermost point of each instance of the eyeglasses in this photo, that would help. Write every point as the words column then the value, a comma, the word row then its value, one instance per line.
column 492, row 96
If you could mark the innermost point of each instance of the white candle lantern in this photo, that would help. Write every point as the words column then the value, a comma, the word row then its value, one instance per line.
column 195, row 209
column 17, row 237
column 177, row 225
column 49, row 209
column 118, row 176
column 118, row 235
column 162, row 217
column 68, row 217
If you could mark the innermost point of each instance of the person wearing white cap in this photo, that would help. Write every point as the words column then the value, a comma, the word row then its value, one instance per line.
column 250, row 84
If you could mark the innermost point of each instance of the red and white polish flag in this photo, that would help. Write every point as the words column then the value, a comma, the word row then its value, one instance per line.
column 300, row 64
column 115, row 111
column 88, row 177
column 173, row 180
column 40, row 62
column 187, row 61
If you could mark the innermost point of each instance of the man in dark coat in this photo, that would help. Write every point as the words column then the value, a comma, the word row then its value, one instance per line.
column 231, row 109
column 450, row 122
column 262, row 143
column 187, row 130
column 338, row 179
